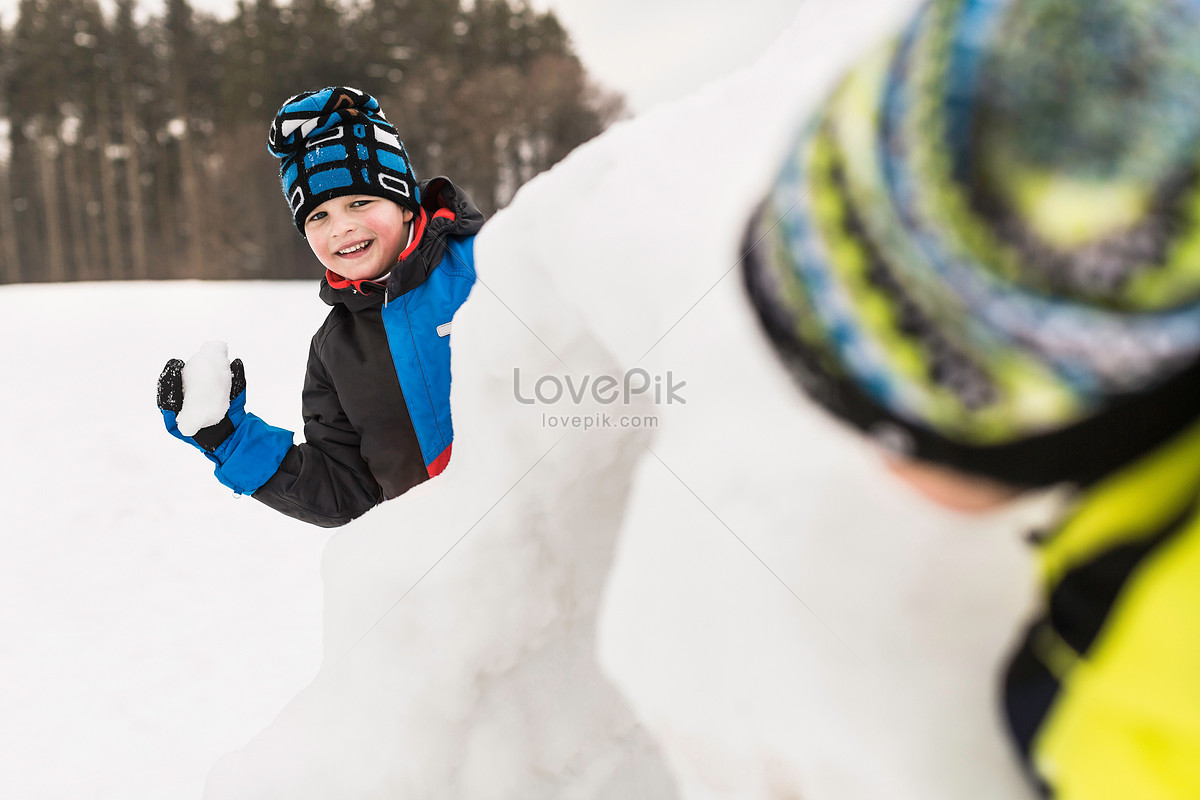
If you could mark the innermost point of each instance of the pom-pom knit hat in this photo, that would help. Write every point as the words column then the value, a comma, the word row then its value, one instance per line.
column 336, row 142
column 984, row 249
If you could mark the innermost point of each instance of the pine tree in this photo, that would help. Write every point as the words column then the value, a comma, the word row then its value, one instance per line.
column 132, row 69
column 322, row 53
column 10, row 260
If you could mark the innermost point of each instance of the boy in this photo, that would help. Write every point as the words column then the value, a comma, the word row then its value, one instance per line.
column 991, row 271
column 399, row 261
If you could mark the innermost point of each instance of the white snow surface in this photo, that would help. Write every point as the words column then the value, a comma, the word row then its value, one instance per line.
column 206, row 385
column 733, row 599
column 149, row 621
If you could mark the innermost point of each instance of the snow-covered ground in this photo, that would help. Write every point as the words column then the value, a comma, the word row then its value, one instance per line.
column 149, row 622
column 733, row 600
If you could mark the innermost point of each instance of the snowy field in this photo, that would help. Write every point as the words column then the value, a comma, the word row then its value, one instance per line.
column 734, row 600
column 149, row 622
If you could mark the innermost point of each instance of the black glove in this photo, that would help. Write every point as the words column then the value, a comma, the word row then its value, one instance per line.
column 170, row 402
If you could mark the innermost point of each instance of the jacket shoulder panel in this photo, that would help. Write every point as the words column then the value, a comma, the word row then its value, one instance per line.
column 418, row 332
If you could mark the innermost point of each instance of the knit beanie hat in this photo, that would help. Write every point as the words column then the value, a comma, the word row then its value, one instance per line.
column 336, row 142
column 984, row 249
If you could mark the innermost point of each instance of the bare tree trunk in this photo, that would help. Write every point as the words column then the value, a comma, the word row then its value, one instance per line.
column 47, row 151
column 109, row 202
column 95, row 237
column 81, row 267
column 193, row 205
column 168, row 244
column 133, row 189
column 10, row 270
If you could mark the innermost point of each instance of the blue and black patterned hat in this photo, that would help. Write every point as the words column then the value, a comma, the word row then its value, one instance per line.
column 335, row 142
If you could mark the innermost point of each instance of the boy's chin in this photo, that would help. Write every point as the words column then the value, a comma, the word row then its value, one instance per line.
column 357, row 273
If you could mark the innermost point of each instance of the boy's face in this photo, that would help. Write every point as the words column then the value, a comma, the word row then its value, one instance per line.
column 359, row 236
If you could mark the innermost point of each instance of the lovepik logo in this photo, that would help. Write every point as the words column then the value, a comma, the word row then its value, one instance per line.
column 603, row 389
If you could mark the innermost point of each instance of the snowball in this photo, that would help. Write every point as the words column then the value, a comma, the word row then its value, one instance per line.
column 206, row 385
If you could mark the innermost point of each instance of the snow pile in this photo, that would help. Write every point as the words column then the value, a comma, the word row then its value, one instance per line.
column 206, row 385
column 782, row 618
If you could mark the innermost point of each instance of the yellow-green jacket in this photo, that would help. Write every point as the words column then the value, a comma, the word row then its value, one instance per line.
column 1103, row 696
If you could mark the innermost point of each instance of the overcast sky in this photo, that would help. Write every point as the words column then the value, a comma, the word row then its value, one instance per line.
column 650, row 50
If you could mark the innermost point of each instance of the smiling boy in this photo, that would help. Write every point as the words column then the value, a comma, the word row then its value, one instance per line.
column 398, row 258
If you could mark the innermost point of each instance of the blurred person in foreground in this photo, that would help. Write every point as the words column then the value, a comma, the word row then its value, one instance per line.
column 984, row 253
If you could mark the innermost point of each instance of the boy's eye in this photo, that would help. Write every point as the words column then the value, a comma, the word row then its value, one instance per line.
column 358, row 203
column 316, row 216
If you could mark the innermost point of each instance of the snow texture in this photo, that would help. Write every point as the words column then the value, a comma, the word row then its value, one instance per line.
column 781, row 617
column 206, row 384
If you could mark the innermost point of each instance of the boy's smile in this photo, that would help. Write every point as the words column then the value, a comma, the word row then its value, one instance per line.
column 358, row 236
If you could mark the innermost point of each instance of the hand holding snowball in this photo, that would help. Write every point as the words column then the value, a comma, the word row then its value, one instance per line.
column 195, row 397
column 203, row 403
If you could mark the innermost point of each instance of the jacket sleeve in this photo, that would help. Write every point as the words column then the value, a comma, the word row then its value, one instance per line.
column 325, row 480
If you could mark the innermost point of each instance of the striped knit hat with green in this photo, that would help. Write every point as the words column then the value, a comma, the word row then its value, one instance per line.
column 984, row 249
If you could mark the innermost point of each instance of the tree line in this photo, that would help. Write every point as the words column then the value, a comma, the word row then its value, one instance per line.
column 134, row 147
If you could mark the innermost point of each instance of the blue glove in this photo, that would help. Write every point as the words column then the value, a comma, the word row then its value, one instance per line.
column 246, row 450
column 170, row 402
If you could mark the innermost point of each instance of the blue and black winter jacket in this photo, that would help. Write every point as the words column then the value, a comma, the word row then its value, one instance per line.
column 376, row 399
